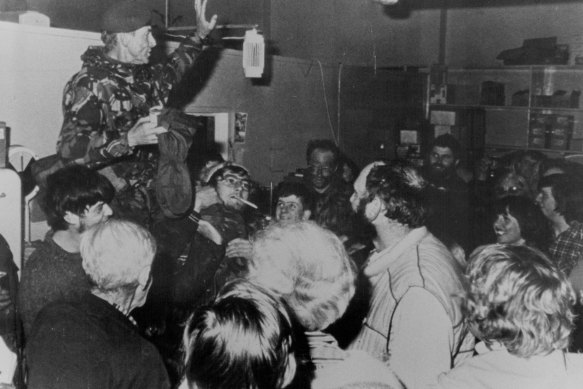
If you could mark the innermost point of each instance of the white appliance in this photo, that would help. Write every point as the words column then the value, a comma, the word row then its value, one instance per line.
column 11, row 213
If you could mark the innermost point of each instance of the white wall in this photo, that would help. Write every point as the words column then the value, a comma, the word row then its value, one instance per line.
column 36, row 64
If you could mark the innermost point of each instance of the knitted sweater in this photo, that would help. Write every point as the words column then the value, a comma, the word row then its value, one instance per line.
column 50, row 274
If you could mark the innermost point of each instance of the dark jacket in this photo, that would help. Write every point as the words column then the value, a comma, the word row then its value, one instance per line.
column 89, row 344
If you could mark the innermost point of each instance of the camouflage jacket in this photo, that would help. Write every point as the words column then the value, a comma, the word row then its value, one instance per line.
column 101, row 103
column 104, row 100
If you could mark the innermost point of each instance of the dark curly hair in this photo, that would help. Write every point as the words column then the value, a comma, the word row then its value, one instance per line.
column 534, row 226
column 403, row 190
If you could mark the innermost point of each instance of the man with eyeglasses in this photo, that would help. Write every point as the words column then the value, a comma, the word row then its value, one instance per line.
column 206, row 266
column 332, row 208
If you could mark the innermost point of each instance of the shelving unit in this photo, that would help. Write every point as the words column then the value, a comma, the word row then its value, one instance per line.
column 525, row 107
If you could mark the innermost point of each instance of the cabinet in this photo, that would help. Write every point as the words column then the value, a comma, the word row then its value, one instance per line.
column 525, row 107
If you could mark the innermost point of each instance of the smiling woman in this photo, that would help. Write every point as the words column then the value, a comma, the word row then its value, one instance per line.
column 518, row 221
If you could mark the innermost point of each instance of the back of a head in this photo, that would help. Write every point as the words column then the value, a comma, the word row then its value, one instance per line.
column 242, row 340
column 115, row 253
column 510, row 183
column 308, row 267
column 518, row 298
column 403, row 190
column 73, row 189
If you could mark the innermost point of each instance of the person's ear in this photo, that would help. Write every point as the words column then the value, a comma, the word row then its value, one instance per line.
column 306, row 215
column 290, row 370
column 72, row 218
column 457, row 162
column 122, row 39
column 144, row 278
column 373, row 209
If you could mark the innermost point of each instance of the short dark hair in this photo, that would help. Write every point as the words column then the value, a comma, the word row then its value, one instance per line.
column 534, row 227
column 109, row 40
column 449, row 141
column 322, row 144
column 73, row 189
column 243, row 339
column 403, row 190
column 566, row 190
column 298, row 189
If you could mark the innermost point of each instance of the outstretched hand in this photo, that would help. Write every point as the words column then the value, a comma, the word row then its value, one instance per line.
column 239, row 248
column 203, row 26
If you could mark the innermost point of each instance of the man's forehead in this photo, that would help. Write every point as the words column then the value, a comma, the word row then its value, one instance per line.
column 322, row 156
column 94, row 206
column 290, row 199
column 441, row 150
column 236, row 176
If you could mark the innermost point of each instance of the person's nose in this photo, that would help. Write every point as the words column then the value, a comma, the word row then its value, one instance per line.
column 151, row 40
column 107, row 211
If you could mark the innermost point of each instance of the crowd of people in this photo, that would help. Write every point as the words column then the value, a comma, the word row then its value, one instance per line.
column 157, row 273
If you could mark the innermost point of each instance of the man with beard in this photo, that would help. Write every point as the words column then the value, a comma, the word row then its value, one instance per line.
column 331, row 194
column 448, row 194
column 76, row 198
column 413, row 320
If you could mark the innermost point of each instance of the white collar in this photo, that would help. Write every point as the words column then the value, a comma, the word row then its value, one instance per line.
column 379, row 261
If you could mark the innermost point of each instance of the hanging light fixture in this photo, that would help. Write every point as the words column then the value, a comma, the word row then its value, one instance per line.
column 386, row 2
column 253, row 54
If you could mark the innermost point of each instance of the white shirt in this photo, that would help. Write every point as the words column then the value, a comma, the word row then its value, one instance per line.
column 498, row 369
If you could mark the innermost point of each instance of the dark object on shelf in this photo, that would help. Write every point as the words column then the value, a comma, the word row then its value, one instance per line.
column 550, row 131
column 520, row 98
column 539, row 51
column 562, row 99
column 542, row 101
column 492, row 93
column 559, row 99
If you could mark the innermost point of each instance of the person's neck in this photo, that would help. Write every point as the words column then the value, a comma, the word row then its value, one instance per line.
column 119, row 55
column 389, row 233
column 120, row 301
column 559, row 224
column 69, row 240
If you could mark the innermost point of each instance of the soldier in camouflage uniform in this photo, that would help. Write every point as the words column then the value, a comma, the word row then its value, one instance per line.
column 107, row 104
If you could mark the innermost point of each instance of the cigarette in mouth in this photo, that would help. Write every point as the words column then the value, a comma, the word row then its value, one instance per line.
column 249, row 203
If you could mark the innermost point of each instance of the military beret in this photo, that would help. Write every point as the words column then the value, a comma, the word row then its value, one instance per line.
column 126, row 16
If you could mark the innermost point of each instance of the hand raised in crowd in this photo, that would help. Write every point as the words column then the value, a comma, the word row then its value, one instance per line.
column 144, row 132
column 239, row 248
column 203, row 26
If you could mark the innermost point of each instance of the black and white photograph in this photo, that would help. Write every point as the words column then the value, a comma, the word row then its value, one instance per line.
column 300, row 194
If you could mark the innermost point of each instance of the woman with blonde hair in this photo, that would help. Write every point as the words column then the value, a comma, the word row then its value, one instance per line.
column 520, row 306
